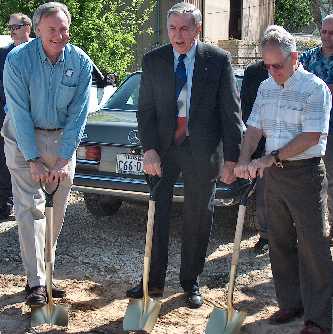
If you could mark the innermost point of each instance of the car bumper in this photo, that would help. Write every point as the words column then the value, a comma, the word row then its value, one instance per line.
column 131, row 188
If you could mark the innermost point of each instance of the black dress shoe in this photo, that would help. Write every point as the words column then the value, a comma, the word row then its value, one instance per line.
column 137, row 292
column 283, row 316
column 193, row 298
column 37, row 296
column 56, row 291
column 6, row 214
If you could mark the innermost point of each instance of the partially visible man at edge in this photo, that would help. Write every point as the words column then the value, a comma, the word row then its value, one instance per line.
column 47, row 84
column 19, row 26
column 319, row 61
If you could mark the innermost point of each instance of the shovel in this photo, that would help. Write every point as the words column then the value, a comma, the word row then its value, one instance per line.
column 50, row 313
column 141, row 314
column 229, row 321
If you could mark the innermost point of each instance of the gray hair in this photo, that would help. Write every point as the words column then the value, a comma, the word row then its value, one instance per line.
column 24, row 19
column 48, row 9
column 277, row 36
column 181, row 8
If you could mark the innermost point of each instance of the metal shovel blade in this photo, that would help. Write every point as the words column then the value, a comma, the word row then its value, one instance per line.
column 218, row 322
column 140, row 317
column 49, row 314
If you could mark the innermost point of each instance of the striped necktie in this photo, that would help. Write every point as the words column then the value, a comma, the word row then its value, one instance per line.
column 181, row 96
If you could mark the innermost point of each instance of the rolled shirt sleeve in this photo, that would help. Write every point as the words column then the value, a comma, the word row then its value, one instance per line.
column 317, row 108
column 77, row 113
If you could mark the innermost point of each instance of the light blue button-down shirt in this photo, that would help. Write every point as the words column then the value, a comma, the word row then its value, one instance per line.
column 45, row 95
column 189, row 61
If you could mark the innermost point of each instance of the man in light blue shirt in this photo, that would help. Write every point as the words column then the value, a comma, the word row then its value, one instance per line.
column 47, row 84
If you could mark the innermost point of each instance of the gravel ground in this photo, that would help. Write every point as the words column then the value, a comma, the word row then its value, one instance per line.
column 98, row 259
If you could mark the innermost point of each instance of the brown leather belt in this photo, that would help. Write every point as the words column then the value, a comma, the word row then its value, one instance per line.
column 42, row 129
column 302, row 162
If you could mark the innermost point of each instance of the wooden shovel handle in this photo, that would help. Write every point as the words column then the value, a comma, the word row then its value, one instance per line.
column 235, row 253
column 148, row 247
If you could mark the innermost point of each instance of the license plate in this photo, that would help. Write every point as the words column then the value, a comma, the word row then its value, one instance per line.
column 130, row 164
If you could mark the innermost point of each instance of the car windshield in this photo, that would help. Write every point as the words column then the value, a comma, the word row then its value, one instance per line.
column 126, row 96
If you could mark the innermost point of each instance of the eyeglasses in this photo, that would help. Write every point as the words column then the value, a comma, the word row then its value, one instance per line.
column 277, row 66
column 13, row 27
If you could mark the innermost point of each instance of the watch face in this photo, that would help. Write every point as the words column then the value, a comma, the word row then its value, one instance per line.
column 275, row 153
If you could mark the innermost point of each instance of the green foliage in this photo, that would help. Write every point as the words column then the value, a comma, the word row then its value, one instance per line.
column 293, row 15
column 106, row 30
column 303, row 45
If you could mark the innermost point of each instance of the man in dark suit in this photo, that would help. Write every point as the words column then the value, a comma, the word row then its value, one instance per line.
column 253, row 77
column 188, row 105
column 20, row 26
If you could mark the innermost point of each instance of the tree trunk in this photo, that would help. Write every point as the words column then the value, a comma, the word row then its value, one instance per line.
column 315, row 9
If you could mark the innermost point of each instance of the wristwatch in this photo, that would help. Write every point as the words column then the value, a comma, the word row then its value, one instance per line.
column 33, row 159
column 275, row 155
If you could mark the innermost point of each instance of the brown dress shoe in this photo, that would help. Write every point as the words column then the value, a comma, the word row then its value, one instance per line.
column 283, row 316
column 37, row 296
column 312, row 328
column 56, row 291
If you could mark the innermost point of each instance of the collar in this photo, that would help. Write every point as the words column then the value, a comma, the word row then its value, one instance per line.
column 190, row 54
column 296, row 76
column 320, row 54
column 43, row 56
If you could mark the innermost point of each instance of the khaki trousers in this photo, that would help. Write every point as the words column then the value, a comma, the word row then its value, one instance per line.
column 29, row 200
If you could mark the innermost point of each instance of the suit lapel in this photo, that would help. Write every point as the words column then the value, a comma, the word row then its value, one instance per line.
column 199, row 76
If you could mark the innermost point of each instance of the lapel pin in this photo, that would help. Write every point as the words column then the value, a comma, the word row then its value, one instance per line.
column 69, row 73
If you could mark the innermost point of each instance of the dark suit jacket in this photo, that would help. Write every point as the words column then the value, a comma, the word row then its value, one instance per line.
column 214, row 111
column 254, row 75
column 3, row 54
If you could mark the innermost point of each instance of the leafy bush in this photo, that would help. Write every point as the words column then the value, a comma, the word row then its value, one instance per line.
column 293, row 15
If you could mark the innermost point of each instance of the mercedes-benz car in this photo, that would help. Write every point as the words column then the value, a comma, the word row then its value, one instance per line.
column 110, row 158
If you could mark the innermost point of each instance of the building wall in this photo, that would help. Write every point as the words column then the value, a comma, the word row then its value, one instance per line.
column 216, row 20
column 254, row 12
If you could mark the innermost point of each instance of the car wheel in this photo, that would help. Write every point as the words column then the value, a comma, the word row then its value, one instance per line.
column 102, row 205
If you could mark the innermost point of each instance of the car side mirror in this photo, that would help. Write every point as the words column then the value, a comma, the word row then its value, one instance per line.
column 111, row 79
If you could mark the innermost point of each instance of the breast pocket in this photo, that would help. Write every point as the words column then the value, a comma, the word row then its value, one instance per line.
column 65, row 96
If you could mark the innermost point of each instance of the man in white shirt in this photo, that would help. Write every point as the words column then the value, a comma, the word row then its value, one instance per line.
column 292, row 111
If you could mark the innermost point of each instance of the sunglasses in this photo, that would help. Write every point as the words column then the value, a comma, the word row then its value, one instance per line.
column 13, row 27
column 277, row 66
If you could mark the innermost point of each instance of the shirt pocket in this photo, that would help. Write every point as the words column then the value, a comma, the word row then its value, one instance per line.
column 65, row 95
column 293, row 113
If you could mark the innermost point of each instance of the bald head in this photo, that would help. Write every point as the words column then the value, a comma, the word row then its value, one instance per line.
column 326, row 34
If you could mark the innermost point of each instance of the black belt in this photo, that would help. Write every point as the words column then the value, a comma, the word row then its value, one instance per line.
column 302, row 162
column 56, row 129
